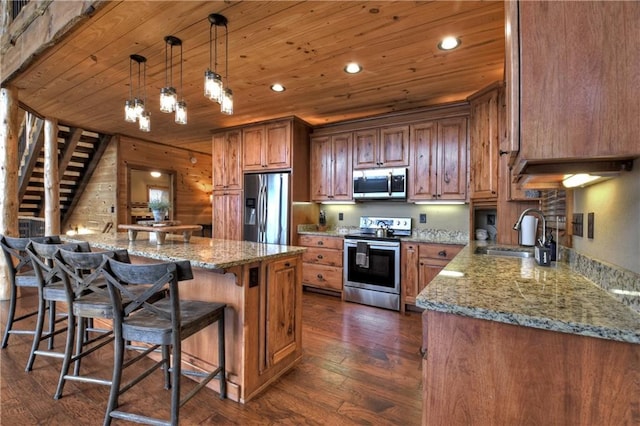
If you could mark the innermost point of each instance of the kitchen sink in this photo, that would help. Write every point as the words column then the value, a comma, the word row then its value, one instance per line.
column 521, row 252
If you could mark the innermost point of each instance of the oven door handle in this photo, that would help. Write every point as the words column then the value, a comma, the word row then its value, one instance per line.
column 389, row 182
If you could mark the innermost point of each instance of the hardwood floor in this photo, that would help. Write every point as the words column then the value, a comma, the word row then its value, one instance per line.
column 361, row 365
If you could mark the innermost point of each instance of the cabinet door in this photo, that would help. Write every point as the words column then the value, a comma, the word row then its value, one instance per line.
column 342, row 174
column 452, row 159
column 252, row 141
column 227, row 161
column 394, row 146
column 365, row 149
column 321, row 168
column 422, row 173
column 282, row 306
column 427, row 270
column 227, row 215
column 277, row 145
column 483, row 142
column 409, row 255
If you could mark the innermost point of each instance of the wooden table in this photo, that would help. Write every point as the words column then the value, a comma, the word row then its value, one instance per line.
column 161, row 231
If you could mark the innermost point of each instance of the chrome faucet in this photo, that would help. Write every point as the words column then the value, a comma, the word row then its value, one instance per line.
column 544, row 223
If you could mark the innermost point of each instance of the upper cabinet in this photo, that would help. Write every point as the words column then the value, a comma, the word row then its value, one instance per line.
column 331, row 172
column 381, row 147
column 227, row 160
column 484, row 140
column 438, row 160
column 572, row 71
column 267, row 146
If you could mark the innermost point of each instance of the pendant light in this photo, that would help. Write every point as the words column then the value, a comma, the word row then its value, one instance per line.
column 213, row 87
column 134, row 109
column 181, row 106
column 168, row 96
column 226, row 107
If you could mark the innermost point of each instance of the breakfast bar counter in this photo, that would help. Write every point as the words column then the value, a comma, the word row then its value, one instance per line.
column 507, row 341
column 258, row 282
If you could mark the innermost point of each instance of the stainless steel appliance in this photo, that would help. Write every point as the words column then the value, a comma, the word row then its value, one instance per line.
column 380, row 184
column 266, row 208
column 372, row 262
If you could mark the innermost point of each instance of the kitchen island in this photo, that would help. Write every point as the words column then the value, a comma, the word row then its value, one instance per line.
column 261, row 285
column 507, row 341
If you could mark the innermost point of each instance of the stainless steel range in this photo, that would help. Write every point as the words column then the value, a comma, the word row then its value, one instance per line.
column 372, row 262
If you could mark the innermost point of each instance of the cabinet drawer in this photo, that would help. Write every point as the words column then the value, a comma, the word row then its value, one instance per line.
column 321, row 241
column 322, row 256
column 439, row 251
column 329, row 277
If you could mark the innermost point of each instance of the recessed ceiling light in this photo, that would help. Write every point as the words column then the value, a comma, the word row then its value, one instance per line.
column 277, row 87
column 449, row 43
column 352, row 68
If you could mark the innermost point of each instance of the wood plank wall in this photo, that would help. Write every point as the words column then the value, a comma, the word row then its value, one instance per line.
column 108, row 186
column 193, row 177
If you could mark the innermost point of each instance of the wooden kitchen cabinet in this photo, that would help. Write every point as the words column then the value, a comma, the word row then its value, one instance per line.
column 381, row 147
column 421, row 262
column 227, row 215
column 227, row 160
column 484, row 143
column 331, row 171
column 438, row 160
column 572, row 105
column 322, row 262
column 281, row 310
column 267, row 146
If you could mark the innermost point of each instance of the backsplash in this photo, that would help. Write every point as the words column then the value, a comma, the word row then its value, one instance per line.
column 620, row 283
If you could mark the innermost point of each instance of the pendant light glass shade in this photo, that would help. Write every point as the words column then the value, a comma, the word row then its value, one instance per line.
column 129, row 112
column 138, row 107
column 145, row 122
column 227, row 102
column 181, row 112
column 168, row 99
column 213, row 87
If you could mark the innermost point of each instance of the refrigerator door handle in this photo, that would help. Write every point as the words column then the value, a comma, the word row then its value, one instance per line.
column 262, row 208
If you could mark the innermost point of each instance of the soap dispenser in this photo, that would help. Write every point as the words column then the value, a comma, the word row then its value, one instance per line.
column 551, row 244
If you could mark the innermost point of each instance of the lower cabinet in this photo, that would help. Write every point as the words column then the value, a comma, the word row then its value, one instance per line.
column 227, row 215
column 421, row 262
column 322, row 262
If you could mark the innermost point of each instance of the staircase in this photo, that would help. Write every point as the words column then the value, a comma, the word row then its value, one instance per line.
column 78, row 154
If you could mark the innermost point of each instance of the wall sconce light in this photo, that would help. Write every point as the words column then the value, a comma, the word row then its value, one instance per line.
column 134, row 106
column 213, row 86
column 168, row 95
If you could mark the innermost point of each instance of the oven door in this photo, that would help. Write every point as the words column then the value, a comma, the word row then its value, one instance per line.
column 383, row 273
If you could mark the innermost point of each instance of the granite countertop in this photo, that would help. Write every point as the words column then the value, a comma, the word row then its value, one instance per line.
column 202, row 252
column 518, row 291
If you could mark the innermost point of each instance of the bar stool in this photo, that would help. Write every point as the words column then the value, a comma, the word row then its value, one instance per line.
column 89, row 298
column 50, row 290
column 21, row 274
column 163, row 324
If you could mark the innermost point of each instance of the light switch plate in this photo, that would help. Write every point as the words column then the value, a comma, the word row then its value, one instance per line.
column 423, row 218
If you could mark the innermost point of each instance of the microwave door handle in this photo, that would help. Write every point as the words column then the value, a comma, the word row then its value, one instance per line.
column 389, row 183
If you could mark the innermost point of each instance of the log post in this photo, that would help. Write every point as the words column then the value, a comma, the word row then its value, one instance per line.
column 9, row 206
column 51, row 179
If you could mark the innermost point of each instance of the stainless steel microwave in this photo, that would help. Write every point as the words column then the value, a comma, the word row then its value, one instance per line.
column 380, row 184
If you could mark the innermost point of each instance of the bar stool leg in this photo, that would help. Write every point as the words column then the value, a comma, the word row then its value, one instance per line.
column 221, row 358
column 10, row 316
column 38, row 331
column 68, row 352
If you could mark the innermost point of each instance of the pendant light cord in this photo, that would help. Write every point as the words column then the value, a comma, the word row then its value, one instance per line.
column 130, row 82
column 226, row 54
column 181, row 92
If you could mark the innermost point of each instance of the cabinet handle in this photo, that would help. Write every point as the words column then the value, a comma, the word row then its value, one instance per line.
column 320, row 243
column 287, row 265
column 442, row 253
column 503, row 152
column 320, row 256
column 320, row 277
column 421, row 263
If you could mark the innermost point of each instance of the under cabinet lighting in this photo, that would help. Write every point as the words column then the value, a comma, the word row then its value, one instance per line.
column 580, row 179
column 338, row 202
column 439, row 202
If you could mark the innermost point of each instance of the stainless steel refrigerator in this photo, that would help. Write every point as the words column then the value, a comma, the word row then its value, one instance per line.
column 266, row 208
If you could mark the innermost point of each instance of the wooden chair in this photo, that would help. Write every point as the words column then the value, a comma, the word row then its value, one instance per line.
column 50, row 290
column 87, row 298
column 21, row 274
column 163, row 324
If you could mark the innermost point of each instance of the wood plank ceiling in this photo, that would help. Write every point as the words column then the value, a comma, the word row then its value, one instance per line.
column 84, row 79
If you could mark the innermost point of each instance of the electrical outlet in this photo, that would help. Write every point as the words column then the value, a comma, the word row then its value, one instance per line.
column 340, row 216
column 423, row 218
column 491, row 219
